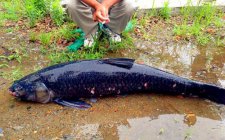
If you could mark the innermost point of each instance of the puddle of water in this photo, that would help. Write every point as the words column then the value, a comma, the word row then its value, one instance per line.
column 167, row 126
column 187, row 60
column 160, row 128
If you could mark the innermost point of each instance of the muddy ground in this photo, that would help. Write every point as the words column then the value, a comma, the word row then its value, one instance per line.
column 139, row 116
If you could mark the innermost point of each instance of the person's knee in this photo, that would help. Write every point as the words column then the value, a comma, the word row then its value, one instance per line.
column 130, row 6
column 72, row 6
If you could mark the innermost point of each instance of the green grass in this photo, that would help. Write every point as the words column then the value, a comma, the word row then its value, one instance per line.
column 57, row 13
column 203, row 39
column 16, row 54
column 165, row 12
column 195, row 20
column 13, row 10
column 33, row 10
column 58, row 56
column 187, row 30
column 45, row 38
column 13, row 75
column 220, row 42
column 66, row 31
column 33, row 36
column 205, row 14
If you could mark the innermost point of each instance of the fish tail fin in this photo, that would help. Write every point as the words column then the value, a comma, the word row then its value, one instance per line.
column 213, row 93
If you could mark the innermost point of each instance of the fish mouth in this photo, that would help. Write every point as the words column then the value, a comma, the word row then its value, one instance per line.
column 13, row 93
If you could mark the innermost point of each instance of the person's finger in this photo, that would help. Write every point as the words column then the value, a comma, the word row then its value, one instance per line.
column 101, row 17
column 104, row 12
column 94, row 17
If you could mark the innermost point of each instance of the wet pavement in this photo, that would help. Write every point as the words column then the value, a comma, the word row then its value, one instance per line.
column 138, row 116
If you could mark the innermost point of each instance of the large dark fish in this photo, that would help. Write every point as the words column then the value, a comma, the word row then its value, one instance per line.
column 64, row 83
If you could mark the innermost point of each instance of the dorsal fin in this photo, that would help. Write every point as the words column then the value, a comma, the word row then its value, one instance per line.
column 120, row 62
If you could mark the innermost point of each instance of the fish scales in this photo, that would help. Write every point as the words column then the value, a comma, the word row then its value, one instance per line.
column 96, row 78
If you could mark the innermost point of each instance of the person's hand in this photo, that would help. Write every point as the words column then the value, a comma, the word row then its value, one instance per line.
column 101, row 14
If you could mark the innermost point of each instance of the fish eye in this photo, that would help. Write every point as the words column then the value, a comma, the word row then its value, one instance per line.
column 18, row 88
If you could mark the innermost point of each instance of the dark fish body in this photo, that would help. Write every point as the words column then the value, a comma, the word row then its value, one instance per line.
column 96, row 78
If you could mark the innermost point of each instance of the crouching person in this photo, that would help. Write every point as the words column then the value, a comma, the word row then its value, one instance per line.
column 113, row 14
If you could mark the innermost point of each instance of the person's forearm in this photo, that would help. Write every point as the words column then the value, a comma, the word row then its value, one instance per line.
column 109, row 3
column 92, row 3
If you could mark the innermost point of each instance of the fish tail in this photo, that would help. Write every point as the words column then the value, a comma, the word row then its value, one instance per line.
column 213, row 93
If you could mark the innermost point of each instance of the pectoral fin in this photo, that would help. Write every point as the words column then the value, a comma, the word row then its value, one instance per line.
column 73, row 103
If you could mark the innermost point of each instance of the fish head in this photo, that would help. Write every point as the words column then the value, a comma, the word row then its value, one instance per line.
column 31, row 89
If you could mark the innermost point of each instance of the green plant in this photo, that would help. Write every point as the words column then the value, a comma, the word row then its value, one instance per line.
column 187, row 30
column 13, row 10
column 8, row 30
column 16, row 55
column 3, row 65
column 218, row 22
column 32, row 13
column 45, row 38
column 43, row 50
column 152, row 11
column 57, row 13
column 186, row 11
column 66, row 31
column 15, row 74
column 33, row 36
column 180, row 30
column 40, row 5
column 219, row 42
column 203, row 39
column 195, row 29
column 205, row 13
column 165, row 12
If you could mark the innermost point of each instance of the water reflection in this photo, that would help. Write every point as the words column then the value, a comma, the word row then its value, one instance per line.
column 188, row 60
column 171, row 127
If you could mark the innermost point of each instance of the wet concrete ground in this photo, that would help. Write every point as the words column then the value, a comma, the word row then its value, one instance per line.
column 139, row 116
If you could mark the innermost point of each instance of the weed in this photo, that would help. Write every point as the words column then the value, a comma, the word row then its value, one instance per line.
column 16, row 54
column 15, row 74
column 153, row 11
column 57, row 13
column 217, row 21
column 203, row 39
column 2, row 19
column 219, row 42
column 3, row 65
column 32, row 13
column 165, row 12
column 143, row 21
column 98, row 51
column 8, row 30
column 187, row 30
column 66, row 32
column 33, row 36
column 43, row 50
column 186, row 11
column 40, row 5
column 13, row 10
column 180, row 30
column 205, row 13
column 11, row 57
column 195, row 29
column 45, row 38
column 36, row 68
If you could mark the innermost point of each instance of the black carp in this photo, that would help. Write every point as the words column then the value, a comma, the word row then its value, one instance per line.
column 64, row 83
